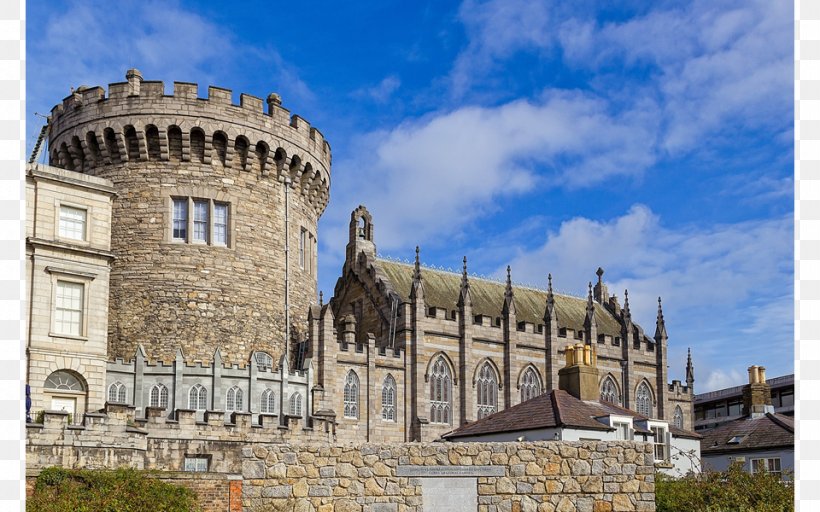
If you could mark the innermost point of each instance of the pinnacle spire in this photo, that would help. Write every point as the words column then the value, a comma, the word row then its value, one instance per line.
column 626, row 302
column 690, row 370
column 509, row 281
column 417, row 267
column 321, row 298
column 465, row 283
column 660, row 325
column 549, row 287
column 589, row 295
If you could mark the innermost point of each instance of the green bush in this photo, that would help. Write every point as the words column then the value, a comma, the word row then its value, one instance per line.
column 122, row 490
column 733, row 490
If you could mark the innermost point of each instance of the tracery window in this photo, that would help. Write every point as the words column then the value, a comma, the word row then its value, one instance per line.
column 117, row 393
column 487, row 390
column 296, row 404
column 677, row 418
column 159, row 396
column 530, row 384
column 609, row 391
column 643, row 400
column 351, row 395
column 389, row 398
column 440, row 392
column 264, row 361
column 233, row 400
column 198, row 398
column 268, row 401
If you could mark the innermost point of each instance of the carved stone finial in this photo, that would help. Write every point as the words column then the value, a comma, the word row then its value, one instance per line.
column 417, row 266
column 321, row 298
column 599, row 273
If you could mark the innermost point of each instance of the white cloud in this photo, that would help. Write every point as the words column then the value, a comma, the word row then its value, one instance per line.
column 427, row 179
column 497, row 29
column 721, row 379
column 382, row 91
column 712, row 63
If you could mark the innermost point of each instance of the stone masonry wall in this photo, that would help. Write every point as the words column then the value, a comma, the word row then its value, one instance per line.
column 537, row 476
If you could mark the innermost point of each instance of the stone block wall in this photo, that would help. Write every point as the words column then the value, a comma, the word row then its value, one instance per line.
column 537, row 476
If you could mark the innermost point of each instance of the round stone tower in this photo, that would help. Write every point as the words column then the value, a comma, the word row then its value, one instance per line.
column 207, row 191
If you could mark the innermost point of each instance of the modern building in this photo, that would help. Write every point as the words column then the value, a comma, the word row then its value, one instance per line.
column 575, row 412
column 760, row 439
column 716, row 407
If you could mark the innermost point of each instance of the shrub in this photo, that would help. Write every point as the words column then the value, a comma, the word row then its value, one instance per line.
column 122, row 490
column 733, row 490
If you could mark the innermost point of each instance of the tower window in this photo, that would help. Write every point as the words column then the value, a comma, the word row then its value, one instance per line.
column 208, row 222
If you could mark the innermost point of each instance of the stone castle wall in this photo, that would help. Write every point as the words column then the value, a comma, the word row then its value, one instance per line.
column 529, row 477
column 168, row 293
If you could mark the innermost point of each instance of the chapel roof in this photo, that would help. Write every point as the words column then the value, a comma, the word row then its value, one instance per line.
column 442, row 290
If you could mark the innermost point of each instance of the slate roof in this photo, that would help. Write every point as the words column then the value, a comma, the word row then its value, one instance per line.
column 556, row 408
column 761, row 433
column 442, row 290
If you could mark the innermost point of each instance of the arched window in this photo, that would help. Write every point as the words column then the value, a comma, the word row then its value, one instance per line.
column 233, row 400
column 296, row 404
column 220, row 145
column 389, row 398
column 440, row 392
column 530, row 384
column 174, row 143
column 117, row 393
column 152, row 141
column 63, row 381
column 487, row 390
column 132, row 146
column 159, row 396
column 677, row 419
column 264, row 361
column 197, row 145
column 268, row 401
column 643, row 400
column 609, row 391
column 198, row 398
column 351, row 396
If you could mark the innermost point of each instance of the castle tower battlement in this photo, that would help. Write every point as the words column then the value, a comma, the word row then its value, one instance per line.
column 204, row 188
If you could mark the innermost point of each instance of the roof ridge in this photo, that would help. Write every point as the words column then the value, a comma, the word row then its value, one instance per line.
column 774, row 418
column 477, row 277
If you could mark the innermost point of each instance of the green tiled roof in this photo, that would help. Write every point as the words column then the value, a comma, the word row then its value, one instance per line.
column 441, row 289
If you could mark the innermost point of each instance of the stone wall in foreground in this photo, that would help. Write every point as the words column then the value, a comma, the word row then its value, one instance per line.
column 524, row 477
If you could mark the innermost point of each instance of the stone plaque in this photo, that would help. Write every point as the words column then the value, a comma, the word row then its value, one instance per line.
column 449, row 471
column 457, row 494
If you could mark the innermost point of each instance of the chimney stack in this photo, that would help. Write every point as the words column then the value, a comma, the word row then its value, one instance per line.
column 579, row 377
column 757, row 395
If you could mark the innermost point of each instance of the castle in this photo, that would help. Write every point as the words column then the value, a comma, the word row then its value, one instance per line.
column 171, row 255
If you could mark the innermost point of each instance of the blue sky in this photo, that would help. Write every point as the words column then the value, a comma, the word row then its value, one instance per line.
column 653, row 139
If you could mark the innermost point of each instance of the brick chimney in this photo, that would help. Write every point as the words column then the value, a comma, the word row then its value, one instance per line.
column 579, row 377
column 757, row 395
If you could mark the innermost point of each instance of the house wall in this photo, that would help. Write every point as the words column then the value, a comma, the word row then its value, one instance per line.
column 721, row 461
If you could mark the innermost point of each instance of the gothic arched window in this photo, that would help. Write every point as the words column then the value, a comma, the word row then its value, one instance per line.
column 117, row 393
column 609, row 391
column 440, row 392
column 159, row 396
column 296, row 404
column 268, row 401
column 487, row 390
column 264, row 361
column 233, row 400
column 643, row 400
column 530, row 384
column 389, row 398
column 198, row 398
column 351, row 395
column 677, row 419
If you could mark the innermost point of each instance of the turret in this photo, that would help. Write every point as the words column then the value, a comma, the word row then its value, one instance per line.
column 360, row 237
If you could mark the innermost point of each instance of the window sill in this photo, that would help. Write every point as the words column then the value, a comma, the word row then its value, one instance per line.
column 68, row 336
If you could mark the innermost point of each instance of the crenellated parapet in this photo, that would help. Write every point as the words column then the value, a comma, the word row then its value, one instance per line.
column 116, row 437
column 138, row 122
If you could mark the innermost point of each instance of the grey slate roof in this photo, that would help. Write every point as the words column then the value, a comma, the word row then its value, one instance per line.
column 442, row 290
column 765, row 432
column 553, row 409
